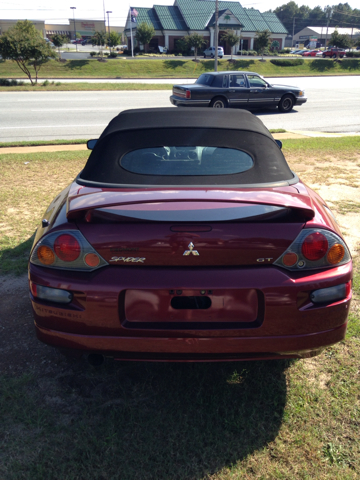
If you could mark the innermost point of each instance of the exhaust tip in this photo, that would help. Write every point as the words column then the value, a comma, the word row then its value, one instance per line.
column 95, row 359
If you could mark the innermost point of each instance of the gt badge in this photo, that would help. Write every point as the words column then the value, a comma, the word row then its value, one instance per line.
column 188, row 252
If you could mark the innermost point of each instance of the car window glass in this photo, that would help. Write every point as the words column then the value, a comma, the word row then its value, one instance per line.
column 237, row 81
column 224, row 81
column 256, row 81
column 186, row 161
column 205, row 79
column 218, row 81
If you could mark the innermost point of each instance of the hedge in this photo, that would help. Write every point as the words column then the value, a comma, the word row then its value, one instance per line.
column 287, row 63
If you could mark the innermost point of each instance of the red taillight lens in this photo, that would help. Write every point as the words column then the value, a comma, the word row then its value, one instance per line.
column 314, row 246
column 188, row 94
column 67, row 248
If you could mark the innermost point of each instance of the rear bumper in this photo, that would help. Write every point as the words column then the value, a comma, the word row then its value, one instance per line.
column 100, row 320
column 183, row 102
column 195, row 349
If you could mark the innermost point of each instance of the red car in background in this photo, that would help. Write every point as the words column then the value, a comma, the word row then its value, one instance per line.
column 186, row 237
column 311, row 53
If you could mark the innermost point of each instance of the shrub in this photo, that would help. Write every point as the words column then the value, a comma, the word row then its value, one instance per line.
column 5, row 82
column 92, row 54
column 252, row 52
column 353, row 54
column 106, row 54
column 244, row 52
column 113, row 55
column 57, row 84
column 350, row 63
column 46, row 83
column 126, row 51
column 285, row 50
column 287, row 63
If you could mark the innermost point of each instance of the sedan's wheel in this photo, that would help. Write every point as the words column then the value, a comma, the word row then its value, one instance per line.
column 204, row 56
column 334, row 56
column 286, row 103
column 219, row 102
column 324, row 56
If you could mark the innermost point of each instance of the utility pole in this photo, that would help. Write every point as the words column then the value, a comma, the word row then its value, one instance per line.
column 73, row 9
column 216, row 35
column 108, row 11
column 292, row 40
column 329, row 15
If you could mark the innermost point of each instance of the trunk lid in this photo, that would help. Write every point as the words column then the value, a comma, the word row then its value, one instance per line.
column 190, row 227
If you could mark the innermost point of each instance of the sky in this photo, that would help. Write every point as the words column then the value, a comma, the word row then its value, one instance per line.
column 59, row 12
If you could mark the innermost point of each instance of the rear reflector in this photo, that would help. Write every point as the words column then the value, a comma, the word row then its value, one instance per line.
column 50, row 294
column 331, row 294
column 188, row 94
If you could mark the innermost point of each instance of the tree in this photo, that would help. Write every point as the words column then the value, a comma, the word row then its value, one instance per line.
column 181, row 45
column 144, row 33
column 58, row 41
column 230, row 38
column 113, row 40
column 195, row 41
column 262, row 41
column 338, row 40
column 24, row 45
column 99, row 40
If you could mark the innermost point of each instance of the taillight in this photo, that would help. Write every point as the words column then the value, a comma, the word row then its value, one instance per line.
column 188, row 94
column 68, row 250
column 314, row 248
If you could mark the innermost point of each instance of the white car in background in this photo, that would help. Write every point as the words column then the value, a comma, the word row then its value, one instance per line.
column 210, row 52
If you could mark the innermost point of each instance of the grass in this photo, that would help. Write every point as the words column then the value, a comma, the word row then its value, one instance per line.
column 285, row 420
column 66, row 87
column 37, row 143
column 141, row 68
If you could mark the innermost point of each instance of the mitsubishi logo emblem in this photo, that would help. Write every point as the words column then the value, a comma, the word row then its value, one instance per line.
column 187, row 252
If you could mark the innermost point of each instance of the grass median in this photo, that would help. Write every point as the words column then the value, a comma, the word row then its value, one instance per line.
column 250, row 420
column 174, row 68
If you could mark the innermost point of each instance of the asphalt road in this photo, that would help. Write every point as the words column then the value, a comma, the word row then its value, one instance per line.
column 333, row 106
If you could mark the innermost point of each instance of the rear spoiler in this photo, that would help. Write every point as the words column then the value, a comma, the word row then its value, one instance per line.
column 82, row 199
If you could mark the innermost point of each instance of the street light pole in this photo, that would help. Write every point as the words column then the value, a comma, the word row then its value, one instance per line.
column 108, row 11
column 73, row 9
column 292, row 40
column 216, row 35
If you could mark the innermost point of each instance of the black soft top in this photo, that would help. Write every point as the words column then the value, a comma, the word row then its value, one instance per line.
column 151, row 127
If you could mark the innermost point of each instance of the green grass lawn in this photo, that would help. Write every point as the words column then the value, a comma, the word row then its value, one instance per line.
column 287, row 420
column 141, row 68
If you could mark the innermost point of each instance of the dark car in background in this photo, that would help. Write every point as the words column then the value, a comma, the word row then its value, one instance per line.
column 236, row 89
column 187, row 237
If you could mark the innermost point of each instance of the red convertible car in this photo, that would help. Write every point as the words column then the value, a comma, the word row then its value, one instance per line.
column 186, row 237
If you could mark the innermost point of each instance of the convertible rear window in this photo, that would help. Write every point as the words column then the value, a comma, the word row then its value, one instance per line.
column 186, row 160
column 205, row 79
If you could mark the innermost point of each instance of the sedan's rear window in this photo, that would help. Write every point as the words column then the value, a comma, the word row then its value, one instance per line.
column 186, row 160
column 205, row 79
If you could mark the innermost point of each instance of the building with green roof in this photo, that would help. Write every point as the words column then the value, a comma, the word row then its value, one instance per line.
column 185, row 17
